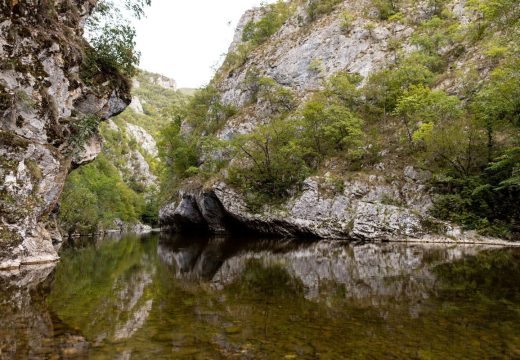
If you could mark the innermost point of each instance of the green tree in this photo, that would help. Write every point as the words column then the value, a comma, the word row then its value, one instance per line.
column 113, row 37
column 344, row 87
column 275, row 15
column 420, row 104
column 498, row 102
column 269, row 161
column 384, row 87
column 330, row 129
column 279, row 98
column 180, row 153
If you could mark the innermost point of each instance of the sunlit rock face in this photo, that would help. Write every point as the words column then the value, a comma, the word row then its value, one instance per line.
column 45, row 93
column 28, row 329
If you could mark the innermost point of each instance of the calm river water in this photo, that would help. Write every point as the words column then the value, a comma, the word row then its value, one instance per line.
column 177, row 297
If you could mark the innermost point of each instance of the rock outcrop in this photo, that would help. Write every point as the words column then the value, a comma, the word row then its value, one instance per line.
column 388, row 200
column 46, row 92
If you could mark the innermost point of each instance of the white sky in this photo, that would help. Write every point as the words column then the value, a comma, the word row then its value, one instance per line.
column 184, row 39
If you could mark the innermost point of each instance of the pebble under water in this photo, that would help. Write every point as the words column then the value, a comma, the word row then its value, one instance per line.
column 162, row 296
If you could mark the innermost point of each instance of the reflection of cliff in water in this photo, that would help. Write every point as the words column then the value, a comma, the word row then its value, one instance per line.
column 369, row 273
column 106, row 289
column 29, row 329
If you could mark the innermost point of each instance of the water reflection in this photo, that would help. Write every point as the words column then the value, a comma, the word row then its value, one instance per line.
column 28, row 328
column 133, row 297
column 370, row 274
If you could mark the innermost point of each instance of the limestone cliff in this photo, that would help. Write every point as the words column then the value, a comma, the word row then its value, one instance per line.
column 47, row 92
column 386, row 200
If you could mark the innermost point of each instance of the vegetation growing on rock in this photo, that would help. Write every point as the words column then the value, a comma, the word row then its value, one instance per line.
column 446, row 99
column 121, row 184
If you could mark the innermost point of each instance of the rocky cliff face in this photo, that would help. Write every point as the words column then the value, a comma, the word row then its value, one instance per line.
column 46, row 93
column 387, row 201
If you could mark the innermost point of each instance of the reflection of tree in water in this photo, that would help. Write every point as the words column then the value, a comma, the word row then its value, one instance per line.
column 367, row 273
column 219, row 298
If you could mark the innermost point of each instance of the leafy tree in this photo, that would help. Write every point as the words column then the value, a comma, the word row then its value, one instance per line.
column 94, row 196
column 113, row 37
column 498, row 102
column 455, row 146
column 179, row 152
column 433, row 36
column 275, row 15
column 205, row 110
column 269, row 161
column 344, row 87
column 421, row 104
column 279, row 98
column 384, row 87
column 330, row 129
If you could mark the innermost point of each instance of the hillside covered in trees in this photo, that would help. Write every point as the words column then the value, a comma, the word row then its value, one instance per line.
column 347, row 118
column 120, row 188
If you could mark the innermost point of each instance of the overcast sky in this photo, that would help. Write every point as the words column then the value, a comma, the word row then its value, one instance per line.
column 184, row 39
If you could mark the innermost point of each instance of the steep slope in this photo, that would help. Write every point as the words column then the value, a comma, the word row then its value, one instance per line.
column 119, row 189
column 337, row 119
column 49, row 102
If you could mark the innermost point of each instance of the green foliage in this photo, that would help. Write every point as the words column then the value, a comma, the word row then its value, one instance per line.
column 385, row 8
column 487, row 202
column 237, row 58
column 269, row 161
column 179, row 152
column 83, row 130
column 112, row 36
column 94, row 196
column 456, row 147
column 420, row 104
column 330, row 129
column 279, row 98
column 275, row 15
column 346, row 21
column 114, row 48
column 319, row 8
column 501, row 13
column 384, row 87
column 343, row 87
column 206, row 112
column 434, row 36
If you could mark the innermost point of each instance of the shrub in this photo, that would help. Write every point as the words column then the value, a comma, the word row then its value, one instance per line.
column 274, row 17
column 206, row 112
column 385, row 8
column 319, row 8
column 346, row 21
column 82, row 131
column 279, row 98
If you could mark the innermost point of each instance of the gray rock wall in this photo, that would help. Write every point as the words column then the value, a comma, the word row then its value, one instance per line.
column 44, row 94
column 389, row 201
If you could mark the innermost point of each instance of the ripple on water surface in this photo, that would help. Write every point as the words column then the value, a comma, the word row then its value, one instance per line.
column 161, row 296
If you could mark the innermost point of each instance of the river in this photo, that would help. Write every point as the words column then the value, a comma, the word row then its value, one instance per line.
column 162, row 296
